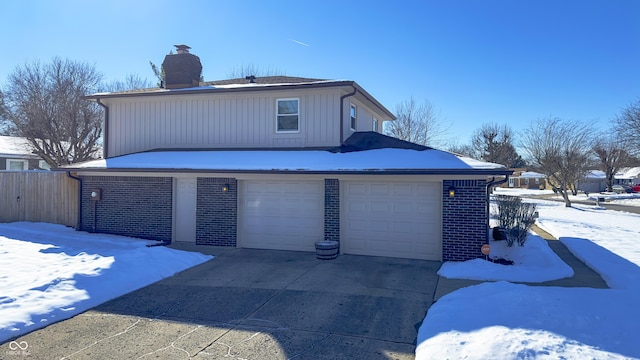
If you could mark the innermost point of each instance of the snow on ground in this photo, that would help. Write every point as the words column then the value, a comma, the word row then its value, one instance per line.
column 535, row 262
column 49, row 272
column 502, row 320
column 627, row 199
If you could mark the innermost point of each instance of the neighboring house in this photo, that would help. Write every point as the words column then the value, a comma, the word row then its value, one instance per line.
column 277, row 163
column 16, row 153
column 526, row 180
column 593, row 182
column 628, row 176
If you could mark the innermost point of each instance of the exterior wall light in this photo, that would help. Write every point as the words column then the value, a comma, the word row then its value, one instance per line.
column 452, row 191
column 225, row 187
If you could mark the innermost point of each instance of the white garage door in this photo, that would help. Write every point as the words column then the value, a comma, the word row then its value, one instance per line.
column 394, row 219
column 282, row 215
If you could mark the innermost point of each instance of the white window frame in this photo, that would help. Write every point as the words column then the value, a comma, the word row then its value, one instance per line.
column 24, row 162
column 278, row 115
column 353, row 119
column 375, row 125
column 512, row 182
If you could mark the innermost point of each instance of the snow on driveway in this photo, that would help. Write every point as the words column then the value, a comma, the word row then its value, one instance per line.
column 49, row 272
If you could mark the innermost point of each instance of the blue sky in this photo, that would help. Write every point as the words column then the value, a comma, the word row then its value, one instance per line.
column 476, row 61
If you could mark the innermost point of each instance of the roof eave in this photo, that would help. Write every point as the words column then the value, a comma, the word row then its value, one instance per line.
column 214, row 90
column 487, row 172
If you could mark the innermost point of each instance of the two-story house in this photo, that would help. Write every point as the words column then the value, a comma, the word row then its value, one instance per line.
column 277, row 163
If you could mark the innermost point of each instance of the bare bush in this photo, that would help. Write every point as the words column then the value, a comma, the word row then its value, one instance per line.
column 515, row 217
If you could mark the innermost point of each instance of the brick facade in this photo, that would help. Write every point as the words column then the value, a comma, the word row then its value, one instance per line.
column 131, row 206
column 331, row 210
column 464, row 219
column 143, row 207
column 217, row 212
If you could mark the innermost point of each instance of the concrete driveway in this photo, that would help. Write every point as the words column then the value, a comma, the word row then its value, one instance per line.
column 256, row 304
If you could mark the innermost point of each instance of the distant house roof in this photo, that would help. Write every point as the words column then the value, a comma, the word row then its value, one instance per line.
column 628, row 173
column 18, row 147
column 245, row 85
column 364, row 154
column 595, row 174
column 532, row 174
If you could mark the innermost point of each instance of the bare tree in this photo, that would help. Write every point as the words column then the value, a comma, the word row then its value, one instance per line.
column 494, row 143
column 612, row 157
column 131, row 82
column 559, row 149
column 45, row 105
column 4, row 114
column 420, row 124
column 628, row 127
column 462, row 149
column 253, row 69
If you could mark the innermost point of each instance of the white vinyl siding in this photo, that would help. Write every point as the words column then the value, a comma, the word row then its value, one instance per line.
column 220, row 121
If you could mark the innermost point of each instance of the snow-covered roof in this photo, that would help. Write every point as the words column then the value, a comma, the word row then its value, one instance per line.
column 628, row 173
column 15, row 147
column 532, row 174
column 595, row 174
column 306, row 161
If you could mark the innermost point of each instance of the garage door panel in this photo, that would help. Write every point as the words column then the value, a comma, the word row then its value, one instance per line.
column 283, row 215
column 402, row 190
column 395, row 219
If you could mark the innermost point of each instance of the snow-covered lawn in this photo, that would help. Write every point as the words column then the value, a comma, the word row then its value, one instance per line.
column 49, row 272
column 627, row 199
column 502, row 320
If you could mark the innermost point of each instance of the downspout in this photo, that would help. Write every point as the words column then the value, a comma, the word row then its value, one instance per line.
column 105, row 140
column 79, row 180
column 490, row 184
column 342, row 112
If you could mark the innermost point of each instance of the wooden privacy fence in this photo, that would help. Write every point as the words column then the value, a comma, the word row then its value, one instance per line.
column 39, row 196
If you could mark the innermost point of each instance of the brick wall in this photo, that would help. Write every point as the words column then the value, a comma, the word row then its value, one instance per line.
column 217, row 212
column 132, row 206
column 464, row 219
column 331, row 210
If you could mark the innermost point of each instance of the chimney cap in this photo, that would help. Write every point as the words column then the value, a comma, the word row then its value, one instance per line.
column 182, row 48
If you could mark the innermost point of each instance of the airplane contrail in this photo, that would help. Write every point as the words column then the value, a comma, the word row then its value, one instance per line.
column 299, row 42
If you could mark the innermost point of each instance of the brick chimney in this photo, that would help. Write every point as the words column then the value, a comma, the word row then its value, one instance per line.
column 181, row 70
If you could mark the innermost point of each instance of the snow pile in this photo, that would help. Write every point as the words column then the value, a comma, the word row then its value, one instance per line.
column 49, row 272
column 502, row 320
column 535, row 262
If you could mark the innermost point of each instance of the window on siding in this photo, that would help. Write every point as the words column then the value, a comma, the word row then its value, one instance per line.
column 375, row 125
column 17, row 164
column 288, row 115
column 43, row 165
column 353, row 113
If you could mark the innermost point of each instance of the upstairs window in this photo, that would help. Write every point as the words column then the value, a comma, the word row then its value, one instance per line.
column 288, row 115
column 353, row 112
column 375, row 125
